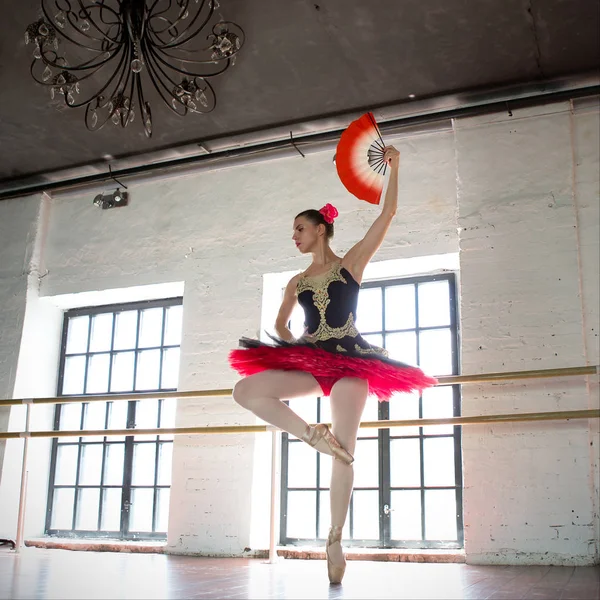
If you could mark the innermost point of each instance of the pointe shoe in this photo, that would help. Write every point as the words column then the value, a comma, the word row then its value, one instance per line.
column 313, row 435
column 334, row 572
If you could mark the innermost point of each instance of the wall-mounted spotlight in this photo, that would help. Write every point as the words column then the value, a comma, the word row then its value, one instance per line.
column 117, row 198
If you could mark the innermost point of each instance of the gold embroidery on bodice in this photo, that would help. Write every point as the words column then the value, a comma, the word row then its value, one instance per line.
column 319, row 285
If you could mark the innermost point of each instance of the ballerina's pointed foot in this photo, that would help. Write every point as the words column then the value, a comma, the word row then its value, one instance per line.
column 313, row 435
column 335, row 571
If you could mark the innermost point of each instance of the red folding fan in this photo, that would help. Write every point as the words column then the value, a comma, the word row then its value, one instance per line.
column 359, row 159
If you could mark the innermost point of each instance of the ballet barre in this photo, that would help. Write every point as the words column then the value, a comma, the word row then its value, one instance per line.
column 244, row 429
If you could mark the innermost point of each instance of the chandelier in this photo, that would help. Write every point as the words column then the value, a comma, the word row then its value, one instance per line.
column 116, row 47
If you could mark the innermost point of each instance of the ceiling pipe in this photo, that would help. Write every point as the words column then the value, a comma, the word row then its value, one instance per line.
column 318, row 135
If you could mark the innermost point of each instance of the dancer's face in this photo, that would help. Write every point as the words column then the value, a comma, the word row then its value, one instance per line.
column 306, row 234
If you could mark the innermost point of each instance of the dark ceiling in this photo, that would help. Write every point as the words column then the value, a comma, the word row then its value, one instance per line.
column 306, row 59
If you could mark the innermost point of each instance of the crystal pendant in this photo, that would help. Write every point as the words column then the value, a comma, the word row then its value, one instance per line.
column 85, row 25
column 70, row 99
column 131, row 116
column 47, row 74
column 115, row 118
column 136, row 65
column 185, row 15
column 191, row 104
column 43, row 29
column 27, row 37
column 37, row 53
column 216, row 4
column 55, row 43
column 94, row 119
column 77, row 87
column 203, row 100
column 52, row 92
column 59, row 19
column 61, row 79
column 233, row 60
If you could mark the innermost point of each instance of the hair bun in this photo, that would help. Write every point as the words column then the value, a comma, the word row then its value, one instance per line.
column 329, row 213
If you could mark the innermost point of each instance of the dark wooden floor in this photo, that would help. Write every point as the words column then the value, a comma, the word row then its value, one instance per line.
column 63, row 574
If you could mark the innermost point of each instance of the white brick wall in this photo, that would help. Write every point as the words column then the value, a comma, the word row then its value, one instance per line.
column 508, row 182
column 529, row 491
column 17, row 231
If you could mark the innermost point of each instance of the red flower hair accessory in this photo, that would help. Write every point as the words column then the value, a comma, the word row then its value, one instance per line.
column 329, row 213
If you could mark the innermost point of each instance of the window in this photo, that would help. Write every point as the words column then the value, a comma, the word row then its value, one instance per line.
column 408, row 481
column 115, row 487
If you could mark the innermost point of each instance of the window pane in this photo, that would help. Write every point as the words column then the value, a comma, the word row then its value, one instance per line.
column 88, row 505
column 66, row 465
column 117, row 415
column 125, row 330
column 366, row 515
column 400, row 307
column 173, row 326
column 406, row 515
column 436, row 351
column 301, row 515
column 146, row 417
column 121, row 379
column 167, row 415
column 148, row 369
column 440, row 515
column 324, row 469
column 438, row 402
column 77, row 335
column 170, row 369
column 369, row 317
column 113, row 464
column 90, row 468
column 438, row 461
column 143, row 464
column 142, row 504
column 70, row 416
column 366, row 463
column 150, row 327
column 405, row 464
column 62, row 509
column 404, row 407
column 305, row 408
column 434, row 304
column 325, row 519
column 402, row 347
column 162, row 510
column 117, row 418
column 94, row 416
column 74, row 375
column 97, row 376
column 302, row 465
column 165, row 464
column 371, row 413
column 101, row 336
column 111, row 510
column 375, row 339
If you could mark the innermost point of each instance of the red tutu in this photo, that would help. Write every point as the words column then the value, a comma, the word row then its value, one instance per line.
column 384, row 376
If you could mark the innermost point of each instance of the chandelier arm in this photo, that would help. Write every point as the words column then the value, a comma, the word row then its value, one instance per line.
column 93, row 22
column 183, row 9
column 85, row 66
column 155, row 52
column 145, row 113
column 177, row 42
column 62, row 33
column 153, row 72
column 96, row 94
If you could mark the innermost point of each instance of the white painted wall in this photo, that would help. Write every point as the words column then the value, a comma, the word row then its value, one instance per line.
column 220, row 232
